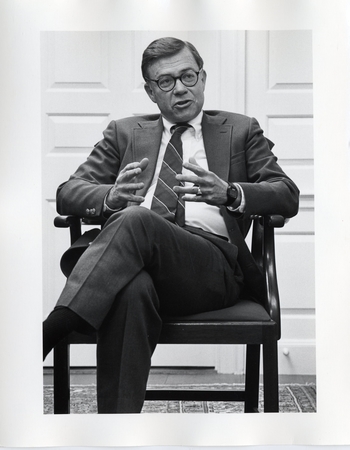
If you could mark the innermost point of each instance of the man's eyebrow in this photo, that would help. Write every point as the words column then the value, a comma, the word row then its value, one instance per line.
column 181, row 71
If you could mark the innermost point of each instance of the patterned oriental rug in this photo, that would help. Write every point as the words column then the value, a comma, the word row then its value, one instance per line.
column 294, row 398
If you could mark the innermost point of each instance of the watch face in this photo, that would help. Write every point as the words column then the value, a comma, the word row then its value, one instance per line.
column 232, row 192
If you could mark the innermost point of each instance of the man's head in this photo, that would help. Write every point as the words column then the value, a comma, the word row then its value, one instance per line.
column 175, row 79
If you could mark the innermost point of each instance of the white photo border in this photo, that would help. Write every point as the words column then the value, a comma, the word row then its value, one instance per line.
column 23, row 422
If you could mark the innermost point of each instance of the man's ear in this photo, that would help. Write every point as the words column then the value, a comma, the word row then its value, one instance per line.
column 150, row 93
column 204, row 77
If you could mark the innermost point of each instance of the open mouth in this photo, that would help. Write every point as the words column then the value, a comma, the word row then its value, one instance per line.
column 182, row 104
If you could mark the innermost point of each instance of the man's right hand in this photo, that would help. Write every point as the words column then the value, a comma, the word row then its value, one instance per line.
column 126, row 185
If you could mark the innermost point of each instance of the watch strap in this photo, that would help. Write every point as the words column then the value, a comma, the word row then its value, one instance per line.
column 232, row 193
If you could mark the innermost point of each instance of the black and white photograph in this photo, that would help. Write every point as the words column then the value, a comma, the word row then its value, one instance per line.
column 175, row 245
column 243, row 93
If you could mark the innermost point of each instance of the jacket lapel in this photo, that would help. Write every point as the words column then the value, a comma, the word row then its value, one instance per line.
column 147, row 139
column 217, row 138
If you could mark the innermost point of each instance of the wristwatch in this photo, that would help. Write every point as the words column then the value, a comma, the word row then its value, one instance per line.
column 232, row 193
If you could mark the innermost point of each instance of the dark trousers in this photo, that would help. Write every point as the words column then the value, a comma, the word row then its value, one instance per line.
column 138, row 268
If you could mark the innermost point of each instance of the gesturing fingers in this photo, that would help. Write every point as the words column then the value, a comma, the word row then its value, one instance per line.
column 131, row 170
column 126, row 185
column 191, row 190
column 198, row 173
column 131, row 187
column 194, row 167
column 201, row 185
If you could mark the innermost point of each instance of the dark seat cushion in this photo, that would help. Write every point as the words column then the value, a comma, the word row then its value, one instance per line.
column 243, row 311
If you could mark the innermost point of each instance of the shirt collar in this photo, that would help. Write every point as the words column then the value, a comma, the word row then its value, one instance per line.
column 196, row 124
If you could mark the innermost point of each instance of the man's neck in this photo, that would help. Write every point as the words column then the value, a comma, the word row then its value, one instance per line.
column 196, row 122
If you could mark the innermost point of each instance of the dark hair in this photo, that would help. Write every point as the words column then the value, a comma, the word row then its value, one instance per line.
column 164, row 47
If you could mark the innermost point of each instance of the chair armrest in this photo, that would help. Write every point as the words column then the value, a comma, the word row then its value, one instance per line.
column 71, row 222
column 275, row 221
column 269, row 264
column 74, row 223
column 263, row 250
column 66, row 221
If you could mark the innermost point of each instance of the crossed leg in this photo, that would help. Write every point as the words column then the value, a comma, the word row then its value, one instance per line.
column 139, row 267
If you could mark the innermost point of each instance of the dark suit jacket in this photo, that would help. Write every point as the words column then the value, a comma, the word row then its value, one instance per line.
column 236, row 151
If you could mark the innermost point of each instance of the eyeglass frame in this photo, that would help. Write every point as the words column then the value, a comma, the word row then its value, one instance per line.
column 176, row 78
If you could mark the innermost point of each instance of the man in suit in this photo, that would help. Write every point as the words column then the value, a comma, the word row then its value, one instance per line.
column 179, row 254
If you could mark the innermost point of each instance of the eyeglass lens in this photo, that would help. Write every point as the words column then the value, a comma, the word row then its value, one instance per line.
column 167, row 82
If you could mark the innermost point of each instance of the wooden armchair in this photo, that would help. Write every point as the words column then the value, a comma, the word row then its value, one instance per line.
column 246, row 323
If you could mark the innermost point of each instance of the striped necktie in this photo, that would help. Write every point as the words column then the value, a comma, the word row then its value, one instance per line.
column 165, row 201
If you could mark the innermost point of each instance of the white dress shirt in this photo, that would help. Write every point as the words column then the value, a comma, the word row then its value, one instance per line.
column 197, row 214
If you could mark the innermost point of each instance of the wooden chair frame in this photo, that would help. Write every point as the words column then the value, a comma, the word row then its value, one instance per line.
column 253, row 334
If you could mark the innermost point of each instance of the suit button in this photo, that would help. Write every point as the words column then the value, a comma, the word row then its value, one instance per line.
column 93, row 211
column 87, row 211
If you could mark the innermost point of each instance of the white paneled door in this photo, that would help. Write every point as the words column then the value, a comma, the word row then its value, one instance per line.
column 279, row 94
column 90, row 78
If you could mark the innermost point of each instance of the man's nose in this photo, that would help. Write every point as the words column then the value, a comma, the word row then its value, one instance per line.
column 179, row 87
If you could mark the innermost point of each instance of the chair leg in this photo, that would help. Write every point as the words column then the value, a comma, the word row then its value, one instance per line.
column 270, row 362
column 251, row 404
column 61, row 379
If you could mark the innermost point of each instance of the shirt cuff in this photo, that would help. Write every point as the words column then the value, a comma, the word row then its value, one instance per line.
column 107, row 211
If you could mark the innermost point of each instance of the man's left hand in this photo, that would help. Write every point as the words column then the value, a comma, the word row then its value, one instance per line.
column 207, row 186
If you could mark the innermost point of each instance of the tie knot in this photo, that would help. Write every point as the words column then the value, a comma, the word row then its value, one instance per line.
column 180, row 128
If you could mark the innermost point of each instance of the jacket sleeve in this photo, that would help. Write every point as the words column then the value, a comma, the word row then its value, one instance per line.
column 267, row 189
column 83, row 194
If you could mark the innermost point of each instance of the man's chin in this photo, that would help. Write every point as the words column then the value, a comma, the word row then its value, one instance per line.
column 184, row 116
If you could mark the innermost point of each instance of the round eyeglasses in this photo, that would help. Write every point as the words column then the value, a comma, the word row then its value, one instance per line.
column 167, row 83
